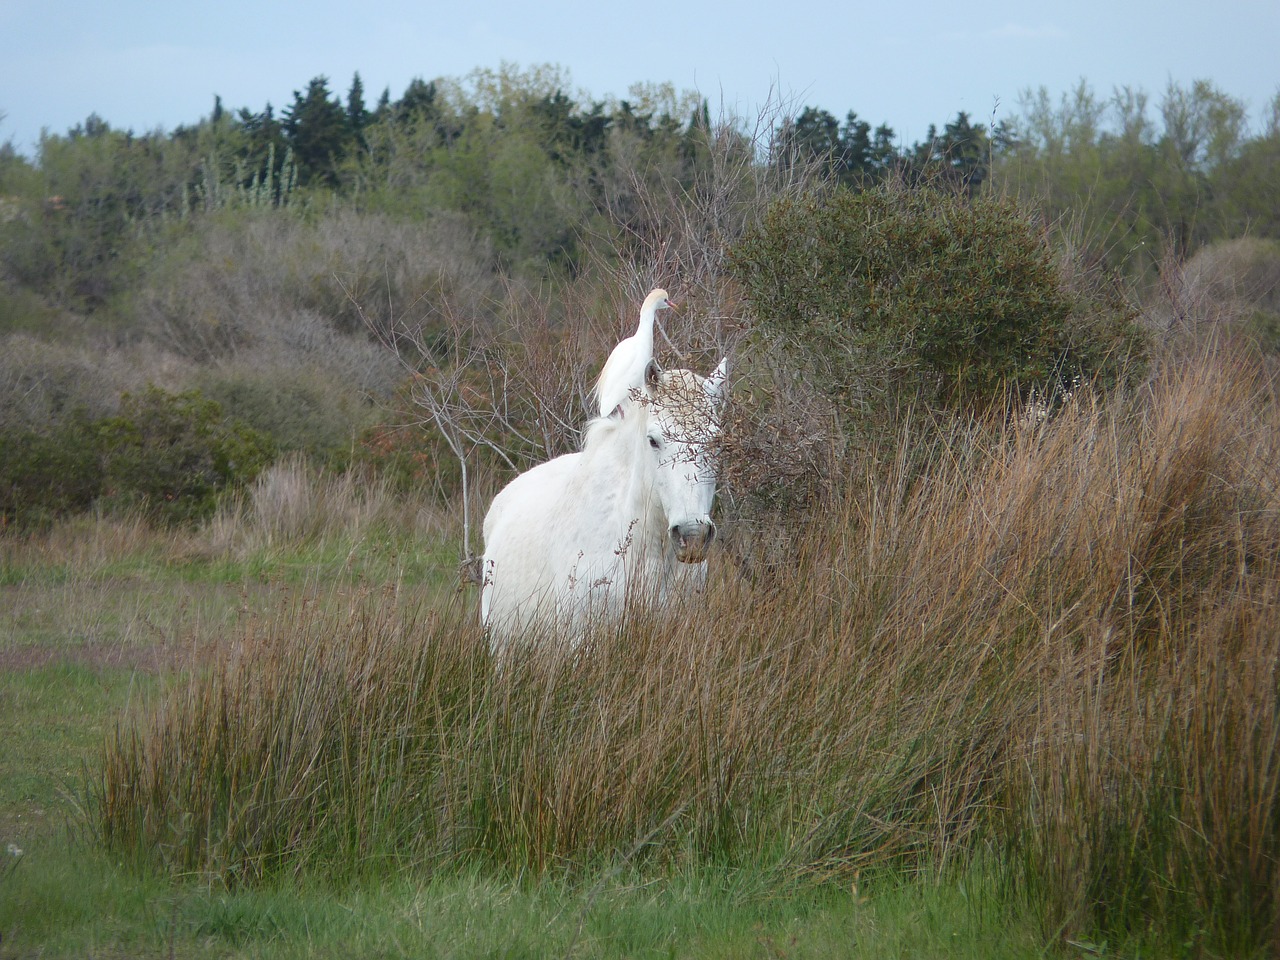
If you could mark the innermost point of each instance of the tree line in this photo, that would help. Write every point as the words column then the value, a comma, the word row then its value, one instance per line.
column 543, row 176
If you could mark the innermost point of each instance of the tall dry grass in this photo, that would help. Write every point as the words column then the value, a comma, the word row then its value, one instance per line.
column 293, row 503
column 1049, row 644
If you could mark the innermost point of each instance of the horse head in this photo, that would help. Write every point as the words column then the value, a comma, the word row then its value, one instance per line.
column 681, row 439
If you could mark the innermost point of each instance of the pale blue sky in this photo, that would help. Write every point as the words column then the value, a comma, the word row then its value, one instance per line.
column 140, row 64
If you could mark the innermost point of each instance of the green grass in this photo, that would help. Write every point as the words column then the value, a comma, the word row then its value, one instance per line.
column 65, row 897
column 73, row 902
column 375, row 557
column 156, row 591
column 51, row 720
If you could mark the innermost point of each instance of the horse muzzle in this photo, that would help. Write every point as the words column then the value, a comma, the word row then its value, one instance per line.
column 692, row 540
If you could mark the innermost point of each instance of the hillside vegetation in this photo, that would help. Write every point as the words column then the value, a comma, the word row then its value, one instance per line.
column 257, row 258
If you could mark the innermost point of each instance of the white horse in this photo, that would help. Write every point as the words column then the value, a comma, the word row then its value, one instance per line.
column 573, row 538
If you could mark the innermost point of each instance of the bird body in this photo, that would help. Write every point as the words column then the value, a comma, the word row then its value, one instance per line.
column 625, row 366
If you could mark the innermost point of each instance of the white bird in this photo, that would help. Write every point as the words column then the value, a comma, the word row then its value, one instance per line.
column 626, row 364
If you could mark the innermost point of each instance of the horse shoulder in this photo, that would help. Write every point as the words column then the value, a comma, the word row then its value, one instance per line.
column 531, row 495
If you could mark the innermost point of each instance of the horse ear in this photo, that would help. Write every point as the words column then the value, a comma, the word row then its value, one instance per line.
column 715, row 384
column 652, row 374
column 618, row 413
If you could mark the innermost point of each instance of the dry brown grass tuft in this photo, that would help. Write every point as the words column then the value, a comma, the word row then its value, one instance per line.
column 294, row 503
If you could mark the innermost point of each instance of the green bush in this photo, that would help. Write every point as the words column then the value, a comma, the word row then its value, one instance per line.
column 298, row 409
column 173, row 454
column 410, row 456
column 918, row 294
column 45, row 474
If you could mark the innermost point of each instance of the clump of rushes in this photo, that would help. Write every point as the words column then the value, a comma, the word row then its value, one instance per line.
column 1051, row 644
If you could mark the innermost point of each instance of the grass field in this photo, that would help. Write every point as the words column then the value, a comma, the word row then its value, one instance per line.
column 93, row 636
column 1016, row 696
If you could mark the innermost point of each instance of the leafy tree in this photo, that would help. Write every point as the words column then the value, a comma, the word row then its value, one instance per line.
column 816, row 135
column 504, row 179
column 697, row 133
column 569, row 135
column 90, row 204
column 1139, row 189
column 419, row 100
column 1245, row 186
column 959, row 156
column 383, row 106
column 1203, row 126
column 966, row 151
column 849, row 150
column 264, row 134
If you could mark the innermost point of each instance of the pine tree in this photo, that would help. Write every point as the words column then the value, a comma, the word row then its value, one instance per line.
column 316, row 128
column 357, row 115
column 855, row 150
column 966, row 150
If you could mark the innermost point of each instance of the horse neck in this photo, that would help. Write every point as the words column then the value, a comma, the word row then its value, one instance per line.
column 635, row 506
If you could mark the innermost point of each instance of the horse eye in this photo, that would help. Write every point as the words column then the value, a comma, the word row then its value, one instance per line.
column 653, row 442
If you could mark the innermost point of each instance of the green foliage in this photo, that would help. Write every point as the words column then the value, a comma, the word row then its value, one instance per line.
column 410, row 457
column 44, row 474
column 221, row 184
column 917, row 293
column 319, row 130
column 357, row 115
column 1246, row 188
column 77, row 234
column 299, row 410
column 1138, row 189
column 22, row 310
column 174, row 454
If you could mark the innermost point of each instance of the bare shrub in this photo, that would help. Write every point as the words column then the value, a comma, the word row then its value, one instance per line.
column 85, row 545
column 500, row 395
column 249, row 279
column 301, row 407
column 511, row 387
column 675, row 231
column 43, row 383
column 1226, row 289
column 293, row 503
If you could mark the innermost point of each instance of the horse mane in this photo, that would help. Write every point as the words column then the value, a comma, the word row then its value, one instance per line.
column 593, row 434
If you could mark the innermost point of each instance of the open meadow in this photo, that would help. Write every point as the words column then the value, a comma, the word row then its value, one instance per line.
column 108, row 621
column 1015, row 699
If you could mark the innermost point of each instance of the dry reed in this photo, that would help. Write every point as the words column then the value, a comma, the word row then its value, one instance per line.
column 1054, row 643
